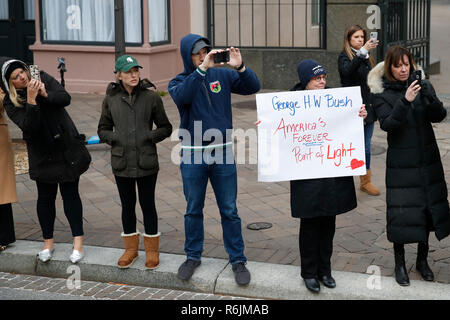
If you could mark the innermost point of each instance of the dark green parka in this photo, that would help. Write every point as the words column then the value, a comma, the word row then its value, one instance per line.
column 126, row 124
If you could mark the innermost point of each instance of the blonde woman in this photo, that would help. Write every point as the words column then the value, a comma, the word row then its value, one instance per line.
column 354, row 64
column 8, row 193
column 56, row 152
column 133, row 121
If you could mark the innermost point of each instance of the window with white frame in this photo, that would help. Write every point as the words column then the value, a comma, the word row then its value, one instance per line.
column 88, row 21
column 158, row 14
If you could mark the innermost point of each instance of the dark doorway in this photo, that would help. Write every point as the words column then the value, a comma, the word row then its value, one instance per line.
column 17, row 29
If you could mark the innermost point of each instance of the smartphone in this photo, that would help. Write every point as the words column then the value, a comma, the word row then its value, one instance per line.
column 374, row 36
column 416, row 75
column 34, row 72
column 223, row 56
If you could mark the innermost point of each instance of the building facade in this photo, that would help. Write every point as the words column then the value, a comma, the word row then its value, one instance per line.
column 274, row 35
column 82, row 31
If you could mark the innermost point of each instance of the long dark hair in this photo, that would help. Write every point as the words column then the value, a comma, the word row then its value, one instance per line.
column 348, row 48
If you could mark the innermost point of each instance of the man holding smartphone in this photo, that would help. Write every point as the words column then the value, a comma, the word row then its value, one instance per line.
column 202, row 94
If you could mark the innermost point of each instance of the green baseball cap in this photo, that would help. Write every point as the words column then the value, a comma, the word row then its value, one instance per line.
column 125, row 63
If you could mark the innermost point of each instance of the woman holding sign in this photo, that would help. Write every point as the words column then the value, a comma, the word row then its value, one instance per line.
column 318, row 201
column 354, row 64
column 416, row 191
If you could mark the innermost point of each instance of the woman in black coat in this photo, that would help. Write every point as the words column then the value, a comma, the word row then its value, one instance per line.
column 416, row 193
column 318, row 201
column 354, row 64
column 57, row 155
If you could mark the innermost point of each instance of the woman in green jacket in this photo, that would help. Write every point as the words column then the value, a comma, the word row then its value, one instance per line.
column 129, row 112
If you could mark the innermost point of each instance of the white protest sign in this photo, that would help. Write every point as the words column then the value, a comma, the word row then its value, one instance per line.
column 310, row 134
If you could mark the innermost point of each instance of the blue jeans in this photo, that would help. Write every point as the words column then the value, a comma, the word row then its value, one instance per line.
column 223, row 179
column 368, row 132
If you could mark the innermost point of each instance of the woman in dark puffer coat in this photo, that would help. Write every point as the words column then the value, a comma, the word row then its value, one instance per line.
column 57, row 155
column 416, row 191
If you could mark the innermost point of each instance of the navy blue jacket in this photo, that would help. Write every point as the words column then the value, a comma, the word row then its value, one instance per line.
column 207, row 98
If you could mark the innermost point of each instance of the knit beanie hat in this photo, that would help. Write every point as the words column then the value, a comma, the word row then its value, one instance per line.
column 7, row 69
column 308, row 69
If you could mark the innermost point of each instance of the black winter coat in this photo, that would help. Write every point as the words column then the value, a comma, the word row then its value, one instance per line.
column 127, row 124
column 56, row 151
column 354, row 73
column 416, row 193
column 312, row 198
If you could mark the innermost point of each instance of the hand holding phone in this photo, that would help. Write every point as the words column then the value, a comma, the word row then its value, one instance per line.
column 415, row 75
column 222, row 57
column 374, row 36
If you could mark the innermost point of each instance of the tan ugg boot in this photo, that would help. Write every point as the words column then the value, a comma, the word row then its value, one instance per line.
column 367, row 186
column 130, row 255
column 151, row 250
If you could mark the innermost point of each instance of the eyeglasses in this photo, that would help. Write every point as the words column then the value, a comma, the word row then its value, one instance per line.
column 320, row 78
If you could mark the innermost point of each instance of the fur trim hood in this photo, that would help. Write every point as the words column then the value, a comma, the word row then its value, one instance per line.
column 375, row 78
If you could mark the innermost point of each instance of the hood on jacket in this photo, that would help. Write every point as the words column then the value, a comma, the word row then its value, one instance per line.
column 5, row 63
column 376, row 79
column 186, row 46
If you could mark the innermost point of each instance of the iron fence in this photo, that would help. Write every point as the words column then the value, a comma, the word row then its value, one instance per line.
column 407, row 23
column 267, row 23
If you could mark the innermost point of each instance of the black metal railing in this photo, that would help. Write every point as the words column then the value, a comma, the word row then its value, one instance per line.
column 407, row 23
column 267, row 23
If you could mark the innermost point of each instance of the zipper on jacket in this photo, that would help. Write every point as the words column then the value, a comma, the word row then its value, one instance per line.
column 207, row 94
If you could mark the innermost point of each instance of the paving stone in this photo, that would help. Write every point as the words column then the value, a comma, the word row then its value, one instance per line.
column 361, row 231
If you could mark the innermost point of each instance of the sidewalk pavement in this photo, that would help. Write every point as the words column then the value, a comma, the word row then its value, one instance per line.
column 360, row 240
column 213, row 276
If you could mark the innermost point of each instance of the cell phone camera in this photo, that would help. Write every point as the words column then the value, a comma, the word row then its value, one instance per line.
column 222, row 57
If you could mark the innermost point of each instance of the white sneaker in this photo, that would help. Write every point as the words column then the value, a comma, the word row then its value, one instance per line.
column 76, row 256
column 46, row 255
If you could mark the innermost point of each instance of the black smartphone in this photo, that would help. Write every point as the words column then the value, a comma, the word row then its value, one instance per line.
column 416, row 75
column 223, row 56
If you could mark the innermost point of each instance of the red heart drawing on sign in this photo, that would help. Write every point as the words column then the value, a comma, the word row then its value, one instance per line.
column 356, row 163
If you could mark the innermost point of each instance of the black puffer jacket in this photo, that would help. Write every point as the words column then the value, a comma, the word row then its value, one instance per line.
column 127, row 123
column 56, row 151
column 312, row 198
column 416, row 194
column 354, row 73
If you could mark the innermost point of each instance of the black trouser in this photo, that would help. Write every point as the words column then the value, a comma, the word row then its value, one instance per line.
column 316, row 246
column 7, row 234
column 127, row 191
column 46, row 209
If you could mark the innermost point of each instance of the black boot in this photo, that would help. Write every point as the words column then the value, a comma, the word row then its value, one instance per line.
column 401, row 275
column 421, row 262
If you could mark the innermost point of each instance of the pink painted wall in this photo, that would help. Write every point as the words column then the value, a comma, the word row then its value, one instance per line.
column 90, row 68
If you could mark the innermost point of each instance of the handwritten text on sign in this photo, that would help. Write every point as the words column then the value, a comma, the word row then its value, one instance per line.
column 310, row 134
